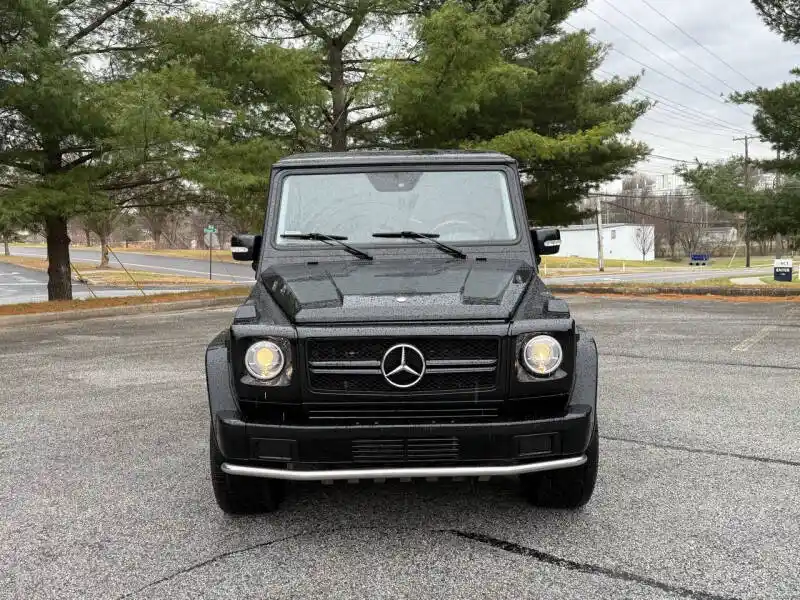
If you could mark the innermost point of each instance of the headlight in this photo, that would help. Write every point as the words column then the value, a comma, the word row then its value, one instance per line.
column 264, row 360
column 542, row 355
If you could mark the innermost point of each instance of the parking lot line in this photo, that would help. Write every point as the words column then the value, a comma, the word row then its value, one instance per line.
column 745, row 345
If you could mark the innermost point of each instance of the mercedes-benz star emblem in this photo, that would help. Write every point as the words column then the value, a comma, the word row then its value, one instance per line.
column 403, row 366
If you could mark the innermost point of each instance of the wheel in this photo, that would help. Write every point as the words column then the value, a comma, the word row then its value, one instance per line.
column 242, row 495
column 564, row 488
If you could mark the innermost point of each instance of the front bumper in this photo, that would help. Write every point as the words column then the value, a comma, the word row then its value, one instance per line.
column 302, row 452
column 402, row 472
column 317, row 452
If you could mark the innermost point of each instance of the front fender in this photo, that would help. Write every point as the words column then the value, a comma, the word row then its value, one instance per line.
column 585, row 386
column 226, row 417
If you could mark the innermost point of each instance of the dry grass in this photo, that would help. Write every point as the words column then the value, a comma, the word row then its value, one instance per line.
column 573, row 262
column 687, row 296
column 216, row 255
column 552, row 262
column 790, row 284
column 722, row 262
column 713, row 282
column 119, row 278
column 114, row 277
column 723, row 282
column 695, row 290
column 93, row 303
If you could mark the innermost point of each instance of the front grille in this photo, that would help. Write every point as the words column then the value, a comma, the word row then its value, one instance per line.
column 405, row 450
column 387, row 412
column 350, row 349
column 353, row 366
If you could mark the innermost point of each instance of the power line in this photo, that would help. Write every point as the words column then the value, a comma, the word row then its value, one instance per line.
column 634, row 40
column 693, row 145
column 644, row 214
column 661, row 163
column 656, row 71
column 670, row 46
column 654, row 172
column 673, row 159
column 666, row 168
column 699, row 43
column 693, row 112
column 667, row 158
column 696, row 119
column 685, row 195
column 648, row 116
column 668, row 101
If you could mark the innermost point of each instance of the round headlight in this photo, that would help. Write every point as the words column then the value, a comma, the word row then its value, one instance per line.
column 542, row 355
column 264, row 360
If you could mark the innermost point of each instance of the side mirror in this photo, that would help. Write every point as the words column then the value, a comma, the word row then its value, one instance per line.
column 245, row 247
column 546, row 241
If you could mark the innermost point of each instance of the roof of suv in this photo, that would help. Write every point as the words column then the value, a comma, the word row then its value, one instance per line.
column 393, row 157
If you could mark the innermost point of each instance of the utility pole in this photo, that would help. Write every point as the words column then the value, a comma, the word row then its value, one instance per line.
column 778, row 237
column 746, row 140
column 599, row 234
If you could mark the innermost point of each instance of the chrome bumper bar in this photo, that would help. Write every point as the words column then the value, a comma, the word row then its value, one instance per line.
column 403, row 473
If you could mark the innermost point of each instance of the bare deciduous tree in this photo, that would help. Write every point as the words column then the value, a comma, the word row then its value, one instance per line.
column 644, row 239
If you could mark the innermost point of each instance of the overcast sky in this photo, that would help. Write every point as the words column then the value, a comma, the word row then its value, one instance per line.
column 704, row 125
column 688, row 77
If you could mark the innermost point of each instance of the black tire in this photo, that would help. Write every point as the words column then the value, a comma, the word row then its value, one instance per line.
column 564, row 488
column 242, row 495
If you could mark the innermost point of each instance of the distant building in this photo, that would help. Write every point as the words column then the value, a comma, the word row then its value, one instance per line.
column 670, row 183
column 724, row 235
column 622, row 241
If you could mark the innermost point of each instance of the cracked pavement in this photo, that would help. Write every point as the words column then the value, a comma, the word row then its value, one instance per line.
column 105, row 493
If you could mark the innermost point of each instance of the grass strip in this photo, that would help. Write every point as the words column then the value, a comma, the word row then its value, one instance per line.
column 27, row 308
column 114, row 276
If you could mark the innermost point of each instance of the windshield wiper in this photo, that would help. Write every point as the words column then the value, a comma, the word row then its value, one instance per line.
column 323, row 237
column 428, row 237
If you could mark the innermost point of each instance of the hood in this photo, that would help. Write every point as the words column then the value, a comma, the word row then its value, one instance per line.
column 398, row 290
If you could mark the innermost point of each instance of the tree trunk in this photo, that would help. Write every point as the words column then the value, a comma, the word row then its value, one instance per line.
column 156, row 238
column 59, row 273
column 6, row 248
column 59, row 284
column 88, row 237
column 103, row 252
column 339, row 99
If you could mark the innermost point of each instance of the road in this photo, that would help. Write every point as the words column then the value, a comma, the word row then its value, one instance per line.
column 26, row 285
column 161, row 264
column 244, row 273
column 105, row 493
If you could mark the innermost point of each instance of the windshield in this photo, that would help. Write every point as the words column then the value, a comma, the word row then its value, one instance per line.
column 458, row 206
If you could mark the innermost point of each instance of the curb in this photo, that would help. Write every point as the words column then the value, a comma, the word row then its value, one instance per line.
column 115, row 311
column 675, row 290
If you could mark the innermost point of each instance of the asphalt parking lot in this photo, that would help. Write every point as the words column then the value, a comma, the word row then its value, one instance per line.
column 105, row 493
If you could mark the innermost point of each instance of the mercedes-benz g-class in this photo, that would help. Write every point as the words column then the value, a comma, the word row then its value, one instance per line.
column 398, row 328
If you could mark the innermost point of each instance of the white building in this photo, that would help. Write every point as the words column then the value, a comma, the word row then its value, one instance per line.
column 621, row 241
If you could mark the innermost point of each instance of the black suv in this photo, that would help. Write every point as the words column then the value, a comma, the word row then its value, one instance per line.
column 399, row 328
